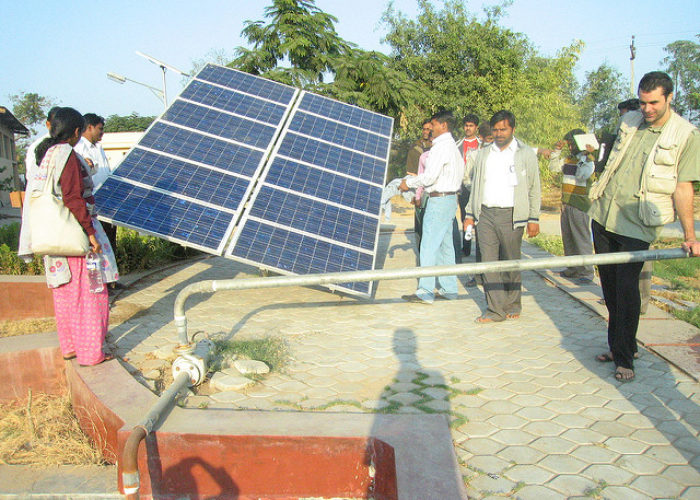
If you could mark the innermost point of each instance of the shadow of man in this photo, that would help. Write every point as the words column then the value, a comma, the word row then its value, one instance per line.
column 417, row 390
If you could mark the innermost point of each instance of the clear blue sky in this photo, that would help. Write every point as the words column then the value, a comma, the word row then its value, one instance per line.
column 64, row 49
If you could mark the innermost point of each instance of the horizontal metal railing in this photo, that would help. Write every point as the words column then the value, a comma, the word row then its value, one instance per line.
column 413, row 272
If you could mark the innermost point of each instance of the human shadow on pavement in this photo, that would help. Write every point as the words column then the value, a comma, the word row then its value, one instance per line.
column 654, row 392
column 416, row 389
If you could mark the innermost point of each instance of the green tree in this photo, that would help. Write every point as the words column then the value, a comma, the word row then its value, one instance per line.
column 130, row 123
column 475, row 65
column 31, row 109
column 602, row 90
column 298, row 34
column 683, row 64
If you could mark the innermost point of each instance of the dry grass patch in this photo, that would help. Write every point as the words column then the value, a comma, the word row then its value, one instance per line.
column 42, row 430
column 12, row 328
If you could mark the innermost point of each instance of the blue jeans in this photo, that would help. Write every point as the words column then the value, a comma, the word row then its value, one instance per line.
column 437, row 248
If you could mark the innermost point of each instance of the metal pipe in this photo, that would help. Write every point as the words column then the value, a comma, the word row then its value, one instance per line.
column 414, row 272
column 130, row 468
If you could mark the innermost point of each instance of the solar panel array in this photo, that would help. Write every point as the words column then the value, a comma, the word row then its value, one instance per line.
column 318, row 202
column 190, row 174
column 296, row 178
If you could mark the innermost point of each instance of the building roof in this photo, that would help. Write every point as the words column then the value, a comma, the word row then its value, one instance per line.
column 8, row 120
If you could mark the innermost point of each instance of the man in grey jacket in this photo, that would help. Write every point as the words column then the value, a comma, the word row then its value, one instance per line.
column 505, row 199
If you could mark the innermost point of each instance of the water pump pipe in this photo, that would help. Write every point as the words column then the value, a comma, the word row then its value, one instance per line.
column 413, row 272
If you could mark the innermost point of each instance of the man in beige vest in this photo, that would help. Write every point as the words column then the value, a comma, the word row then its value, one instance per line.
column 647, row 182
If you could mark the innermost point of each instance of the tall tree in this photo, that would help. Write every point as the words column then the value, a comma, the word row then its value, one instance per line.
column 299, row 34
column 30, row 108
column 600, row 93
column 683, row 64
column 470, row 65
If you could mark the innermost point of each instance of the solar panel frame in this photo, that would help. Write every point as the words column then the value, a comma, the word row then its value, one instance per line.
column 362, row 289
column 251, row 89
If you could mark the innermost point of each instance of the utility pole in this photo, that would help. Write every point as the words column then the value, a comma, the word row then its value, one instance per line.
column 633, row 53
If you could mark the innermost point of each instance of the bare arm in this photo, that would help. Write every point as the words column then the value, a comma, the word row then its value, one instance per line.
column 683, row 201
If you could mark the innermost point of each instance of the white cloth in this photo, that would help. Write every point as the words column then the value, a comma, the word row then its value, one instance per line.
column 100, row 170
column 25, row 241
column 444, row 167
column 391, row 190
column 500, row 179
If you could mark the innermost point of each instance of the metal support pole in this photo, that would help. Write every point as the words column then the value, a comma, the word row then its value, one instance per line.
column 210, row 286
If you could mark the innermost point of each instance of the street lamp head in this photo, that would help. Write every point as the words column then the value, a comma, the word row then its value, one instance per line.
column 162, row 64
column 116, row 78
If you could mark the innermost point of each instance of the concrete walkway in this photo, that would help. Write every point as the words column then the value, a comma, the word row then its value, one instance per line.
column 533, row 414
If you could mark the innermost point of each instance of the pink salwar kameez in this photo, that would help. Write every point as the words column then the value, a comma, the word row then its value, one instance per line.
column 81, row 316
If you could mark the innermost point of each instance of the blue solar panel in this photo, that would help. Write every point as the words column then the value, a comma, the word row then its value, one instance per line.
column 342, row 135
column 197, row 147
column 249, row 84
column 234, row 102
column 198, row 161
column 316, row 208
column 163, row 215
column 333, row 157
column 289, row 251
column 345, row 113
column 285, row 180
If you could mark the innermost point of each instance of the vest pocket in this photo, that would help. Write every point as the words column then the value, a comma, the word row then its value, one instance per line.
column 656, row 209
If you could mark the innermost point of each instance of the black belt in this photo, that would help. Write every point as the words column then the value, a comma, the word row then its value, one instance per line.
column 436, row 194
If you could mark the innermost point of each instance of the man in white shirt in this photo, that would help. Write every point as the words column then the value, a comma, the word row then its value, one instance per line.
column 505, row 198
column 441, row 181
column 89, row 147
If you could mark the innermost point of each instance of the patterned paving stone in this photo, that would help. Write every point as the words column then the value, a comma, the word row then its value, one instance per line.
column 487, row 483
column 529, row 474
column 625, row 446
column 640, row 464
column 488, row 464
column 657, row 486
column 482, row 446
column 521, row 455
column 513, row 437
column 478, row 429
column 553, row 445
column 584, row 436
column 623, row 493
column 506, row 421
column 595, row 454
column 405, row 398
column 538, row 493
column 612, row 475
column 544, row 428
column 570, row 485
column 562, row 464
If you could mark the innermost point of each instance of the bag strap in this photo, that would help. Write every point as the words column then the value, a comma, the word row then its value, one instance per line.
column 50, row 169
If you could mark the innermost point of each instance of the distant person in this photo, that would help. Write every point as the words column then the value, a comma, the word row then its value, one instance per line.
column 412, row 159
column 577, row 169
column 91, row 150
column 647, row 181
column 24, row 250
column 441, row 180
column 505, row 199
column 82, row 316
column 470, row 142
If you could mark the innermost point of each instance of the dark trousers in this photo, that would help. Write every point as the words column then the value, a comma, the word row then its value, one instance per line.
column 463, row 199
column 620, row 283
column 499, row 241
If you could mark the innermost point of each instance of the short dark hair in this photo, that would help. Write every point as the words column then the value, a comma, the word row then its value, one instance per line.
column 427, row 120
column 470, row 118
column 445, row 116
column 569, row 137
column 629, row 104
column 63, row 125
column 654, row 79
column 52, row 113
column 93, row 119
column 484, row 129
column 501, row 115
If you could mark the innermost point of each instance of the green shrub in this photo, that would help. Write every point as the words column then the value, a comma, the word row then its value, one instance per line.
column 550, row 242
column 134, row 252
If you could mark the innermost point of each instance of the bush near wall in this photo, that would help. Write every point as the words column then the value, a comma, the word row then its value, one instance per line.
column 134, row 252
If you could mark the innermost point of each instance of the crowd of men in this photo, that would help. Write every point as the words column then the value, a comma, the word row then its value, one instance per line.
column 617, row 199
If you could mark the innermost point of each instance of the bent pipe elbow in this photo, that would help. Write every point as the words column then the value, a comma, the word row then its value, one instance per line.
column 130, row 471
